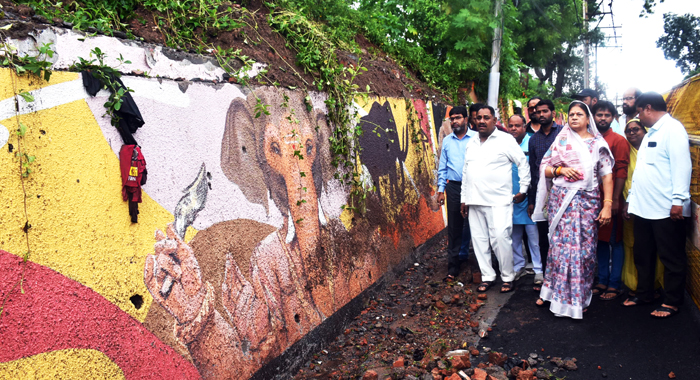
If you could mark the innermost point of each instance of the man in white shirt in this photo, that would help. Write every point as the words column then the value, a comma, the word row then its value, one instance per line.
column 487, row 198
column 660, row 200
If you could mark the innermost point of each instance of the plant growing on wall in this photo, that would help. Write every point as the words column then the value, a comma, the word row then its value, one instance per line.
column 108, row 76
column 316, row 54
column 39, row 67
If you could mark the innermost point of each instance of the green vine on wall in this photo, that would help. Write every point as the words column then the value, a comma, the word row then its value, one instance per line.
column 39, row 67
column 108, row 76
column 316, row 54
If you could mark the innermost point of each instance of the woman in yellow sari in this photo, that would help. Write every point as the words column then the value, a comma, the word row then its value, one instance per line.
column 634, row 131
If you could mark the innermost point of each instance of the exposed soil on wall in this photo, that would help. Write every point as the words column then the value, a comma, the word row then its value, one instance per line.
column 384, row 76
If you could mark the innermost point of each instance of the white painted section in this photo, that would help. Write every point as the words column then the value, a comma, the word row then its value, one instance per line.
column 360, row 111
column 52, row 96
column 45, row 98
column 255, row 70
column 145, row 58
column 291, row 232
column 175, row 143
column 4, row 135
column 321, row 217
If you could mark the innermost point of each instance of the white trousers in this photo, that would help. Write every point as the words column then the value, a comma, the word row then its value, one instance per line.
column 533, row 241
column 492, row 226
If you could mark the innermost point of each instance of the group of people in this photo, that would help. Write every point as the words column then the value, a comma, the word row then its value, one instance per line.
column 603, row 196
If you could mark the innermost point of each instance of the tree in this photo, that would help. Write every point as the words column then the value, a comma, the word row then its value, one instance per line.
column 681, row 41
column 549, row 38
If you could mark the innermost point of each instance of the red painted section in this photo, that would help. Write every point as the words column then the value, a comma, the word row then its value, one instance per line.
column 422, row 115
column 57, row 313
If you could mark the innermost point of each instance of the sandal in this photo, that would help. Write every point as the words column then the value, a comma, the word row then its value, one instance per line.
column 448, row 278
column 636, row 301
column 484, row 286
column 599, row 289
column 664, row 309
column 614, row 294
column 508, row 286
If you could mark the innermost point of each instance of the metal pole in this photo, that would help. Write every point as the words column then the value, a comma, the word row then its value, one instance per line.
column 495, row 75
column 586, row 63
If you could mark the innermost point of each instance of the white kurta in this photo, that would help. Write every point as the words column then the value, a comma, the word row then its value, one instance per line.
column 487, row 185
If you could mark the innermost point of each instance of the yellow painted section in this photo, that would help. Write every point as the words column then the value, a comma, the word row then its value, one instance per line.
column 683, row 103
column 346, row 218
column 418, row 161
column 80, row 226
column 431, row 123
column 63, row 364
column 27, row 83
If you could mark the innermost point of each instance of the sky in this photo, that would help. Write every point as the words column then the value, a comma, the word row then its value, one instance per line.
column 639, row 63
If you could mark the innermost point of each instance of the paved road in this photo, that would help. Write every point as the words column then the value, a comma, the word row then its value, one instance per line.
column 626, row 342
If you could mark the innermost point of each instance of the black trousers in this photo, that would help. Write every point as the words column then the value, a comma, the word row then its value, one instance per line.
column 665, row 238
column 543, row 232
column 455, row 225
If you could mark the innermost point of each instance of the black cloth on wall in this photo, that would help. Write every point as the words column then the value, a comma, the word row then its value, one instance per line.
column 130, row 118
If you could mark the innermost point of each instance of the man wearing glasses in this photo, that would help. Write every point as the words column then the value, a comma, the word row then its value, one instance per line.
column 629, row 110
column 450, row 184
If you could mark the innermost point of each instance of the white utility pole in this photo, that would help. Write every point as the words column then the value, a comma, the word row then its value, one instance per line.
column 586, row 42
column 495, row 75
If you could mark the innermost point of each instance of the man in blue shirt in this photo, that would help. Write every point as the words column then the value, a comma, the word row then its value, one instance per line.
column 660, row 201
column 450, row 185
column 522, row 224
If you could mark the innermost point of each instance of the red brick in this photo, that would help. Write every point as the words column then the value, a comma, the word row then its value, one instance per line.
column 370, row 375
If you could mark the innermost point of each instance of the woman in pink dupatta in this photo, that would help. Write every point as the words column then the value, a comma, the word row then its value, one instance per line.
column 575, row 166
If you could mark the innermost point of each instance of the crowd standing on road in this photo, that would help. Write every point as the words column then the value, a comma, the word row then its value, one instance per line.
column 604, row 196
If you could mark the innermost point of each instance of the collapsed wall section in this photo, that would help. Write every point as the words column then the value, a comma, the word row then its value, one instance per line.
column 242, row 246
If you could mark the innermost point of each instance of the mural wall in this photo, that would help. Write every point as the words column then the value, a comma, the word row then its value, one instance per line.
column 682, row 102
column 241, row 247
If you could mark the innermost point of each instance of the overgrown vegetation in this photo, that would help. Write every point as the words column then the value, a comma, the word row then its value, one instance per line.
column 446, row 43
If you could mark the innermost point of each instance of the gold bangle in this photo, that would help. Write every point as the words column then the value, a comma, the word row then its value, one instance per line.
column 607, row 200
column 558, row 171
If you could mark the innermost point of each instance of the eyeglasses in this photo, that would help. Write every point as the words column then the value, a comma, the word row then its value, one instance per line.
column 633, row 130
column 531, row 108
column 457, row 117
column 628, row 98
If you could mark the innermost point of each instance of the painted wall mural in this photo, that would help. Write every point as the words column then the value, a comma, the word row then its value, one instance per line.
column 242, row 247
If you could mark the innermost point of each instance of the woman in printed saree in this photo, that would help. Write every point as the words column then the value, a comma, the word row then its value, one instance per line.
column 575, row 166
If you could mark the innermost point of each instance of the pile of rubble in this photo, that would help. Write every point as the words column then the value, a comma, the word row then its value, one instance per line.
column 422, row 328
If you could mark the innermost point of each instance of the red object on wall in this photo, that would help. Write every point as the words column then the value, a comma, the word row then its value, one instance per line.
column 57, row 313
column 132, row 165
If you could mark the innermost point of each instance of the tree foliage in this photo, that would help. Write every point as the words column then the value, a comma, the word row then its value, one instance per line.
column 681, row 41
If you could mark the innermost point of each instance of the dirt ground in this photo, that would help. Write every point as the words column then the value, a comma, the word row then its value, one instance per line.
column 421, row 327
column 384, row 76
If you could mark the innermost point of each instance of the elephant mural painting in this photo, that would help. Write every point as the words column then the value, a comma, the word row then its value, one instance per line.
column 290, row 281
